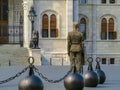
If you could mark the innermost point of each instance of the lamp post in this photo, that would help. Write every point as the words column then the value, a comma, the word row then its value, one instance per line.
column 31, row 16
column 21, row 31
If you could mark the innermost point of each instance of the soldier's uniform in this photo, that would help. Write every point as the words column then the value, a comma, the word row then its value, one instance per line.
column 75, row 48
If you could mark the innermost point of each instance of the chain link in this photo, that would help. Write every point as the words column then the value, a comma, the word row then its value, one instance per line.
column 13, row 77
column 51, row 81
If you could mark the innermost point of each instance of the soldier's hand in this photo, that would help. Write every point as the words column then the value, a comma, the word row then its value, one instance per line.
column 68, row 54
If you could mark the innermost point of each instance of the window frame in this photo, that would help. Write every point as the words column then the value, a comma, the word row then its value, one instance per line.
column 110, row 33
column 112, row 61
column 104, row 61
column 111, row 1
column 50, row 13
column 81, row 2
column 103, row 1
column 83, row 21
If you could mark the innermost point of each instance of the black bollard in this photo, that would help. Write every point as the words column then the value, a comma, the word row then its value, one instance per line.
column 101, row 74
column 31, row 82
column 91, row 77
column 74, row 81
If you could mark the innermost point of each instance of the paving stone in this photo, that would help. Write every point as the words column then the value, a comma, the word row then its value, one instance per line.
column 56, row 72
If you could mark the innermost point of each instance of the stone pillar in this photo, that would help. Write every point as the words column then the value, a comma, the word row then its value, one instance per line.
column 75, row 11
column 25, row 28
column 69, row 20
column 94, row 30
column 27, row 24
column 69, row 15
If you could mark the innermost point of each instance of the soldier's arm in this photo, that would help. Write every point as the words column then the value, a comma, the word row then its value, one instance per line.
column 68, row 44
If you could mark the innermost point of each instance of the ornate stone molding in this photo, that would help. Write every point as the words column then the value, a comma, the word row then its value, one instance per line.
column 25, row 4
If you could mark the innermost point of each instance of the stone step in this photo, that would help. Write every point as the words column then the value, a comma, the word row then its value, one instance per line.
column 47, row 59
column 13, row 55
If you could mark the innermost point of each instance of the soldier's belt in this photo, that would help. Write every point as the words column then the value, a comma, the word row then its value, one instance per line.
column 75, row 43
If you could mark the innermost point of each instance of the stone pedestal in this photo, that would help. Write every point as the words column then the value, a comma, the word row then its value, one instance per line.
column 36, row 53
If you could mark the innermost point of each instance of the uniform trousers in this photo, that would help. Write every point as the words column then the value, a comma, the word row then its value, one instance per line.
column 78, row 60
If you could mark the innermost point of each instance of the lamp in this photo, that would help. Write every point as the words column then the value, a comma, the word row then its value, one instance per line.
column 31, row 16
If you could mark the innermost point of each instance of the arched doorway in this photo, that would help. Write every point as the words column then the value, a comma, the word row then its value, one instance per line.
column 3, row 21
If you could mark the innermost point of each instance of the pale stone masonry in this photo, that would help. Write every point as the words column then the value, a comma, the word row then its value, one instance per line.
column 104, row 48
column 68, row 12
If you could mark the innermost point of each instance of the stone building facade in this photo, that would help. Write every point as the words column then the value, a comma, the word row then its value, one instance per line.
column 98, row 21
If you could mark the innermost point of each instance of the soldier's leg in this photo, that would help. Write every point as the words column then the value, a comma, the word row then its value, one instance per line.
column 78, row 62
column 71, row 59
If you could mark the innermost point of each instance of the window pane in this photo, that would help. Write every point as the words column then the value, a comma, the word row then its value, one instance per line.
column 5, row 11
column 103, row 60
column 112, row 1
column 103, row 35
column 111, row 35
column 53, row 32
column 45, row 22
column 45, row 26
column 103, row 1
column 5, row 1
column 104, row 25
column 111, row 25
column 115, row 35
column 104, row 29
column 83, row 1
column 5, row 31
column 44, row 33
column 112, row 60
column 53, row 26
column 53, row 22
column 0, row 31
column 82, row 28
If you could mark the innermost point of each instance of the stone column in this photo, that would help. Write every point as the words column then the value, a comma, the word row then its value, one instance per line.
column 75, row 11
column 25, row 28
column 94, row 30
column 27, row 24
column 69, row 15
column 69, row 20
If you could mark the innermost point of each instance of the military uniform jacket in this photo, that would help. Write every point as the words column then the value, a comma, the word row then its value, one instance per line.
column 74, row 41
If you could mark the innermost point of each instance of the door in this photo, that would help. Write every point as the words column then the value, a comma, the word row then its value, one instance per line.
column 3, row 21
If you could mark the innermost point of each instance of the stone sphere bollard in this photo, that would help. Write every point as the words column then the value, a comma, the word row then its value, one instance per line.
column 90, row 76
column 101, row 74
column 31, row 82
column 74, row 81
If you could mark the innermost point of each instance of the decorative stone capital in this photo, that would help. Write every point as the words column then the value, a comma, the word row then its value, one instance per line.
column 25, row 4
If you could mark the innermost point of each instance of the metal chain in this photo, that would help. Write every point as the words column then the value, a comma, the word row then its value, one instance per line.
column 51, row 81
column 13, row 77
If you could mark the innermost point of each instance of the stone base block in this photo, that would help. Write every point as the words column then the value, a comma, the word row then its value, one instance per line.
column 36, row 53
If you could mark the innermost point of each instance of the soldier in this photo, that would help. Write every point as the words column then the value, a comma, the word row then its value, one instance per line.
column 75, row 47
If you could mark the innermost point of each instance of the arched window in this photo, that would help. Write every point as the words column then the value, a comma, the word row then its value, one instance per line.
column 104, row 29
column 53, row 23
column 82, row 27
column 49, row 26
column 45, row 25
column 107, row 29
